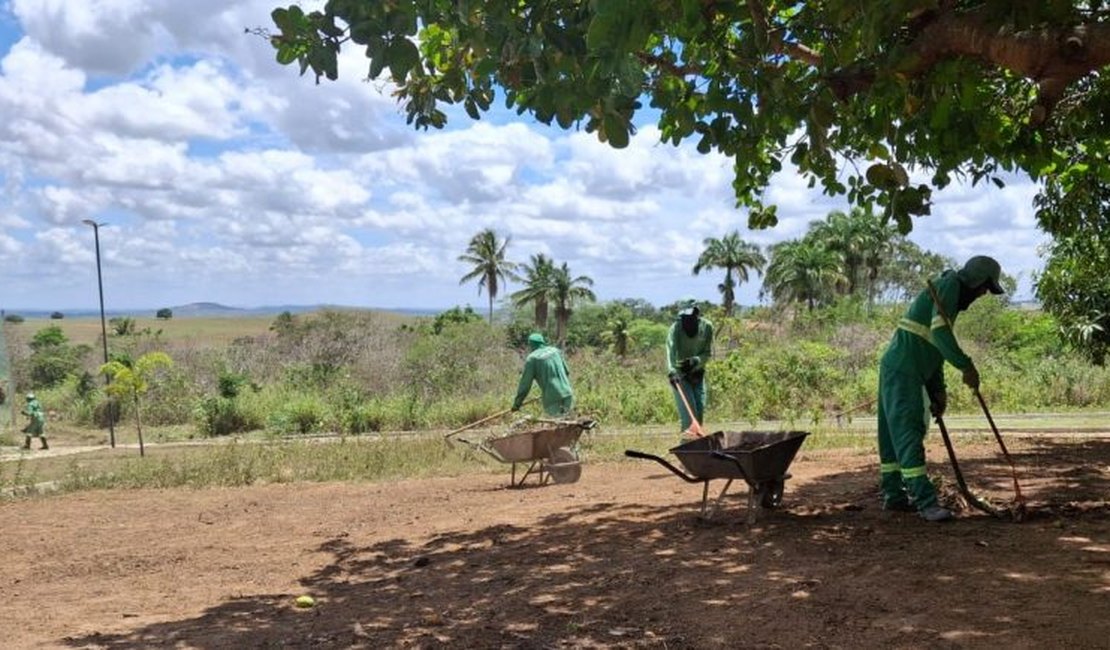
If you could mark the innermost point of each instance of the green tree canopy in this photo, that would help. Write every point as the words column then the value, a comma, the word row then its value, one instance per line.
column 1075, row 288
column 957, row 88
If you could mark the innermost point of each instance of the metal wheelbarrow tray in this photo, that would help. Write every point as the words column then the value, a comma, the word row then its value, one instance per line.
column 759, row 458
column 551, row 451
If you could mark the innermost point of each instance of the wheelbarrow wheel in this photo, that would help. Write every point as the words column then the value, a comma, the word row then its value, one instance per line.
column 564, row 466
column 770, row 493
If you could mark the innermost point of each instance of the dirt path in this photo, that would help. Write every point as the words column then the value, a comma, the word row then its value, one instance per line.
column 616, row 560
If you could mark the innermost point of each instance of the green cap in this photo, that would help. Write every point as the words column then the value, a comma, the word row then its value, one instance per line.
column 687, row 306
column 982, row 269
column 536, row 339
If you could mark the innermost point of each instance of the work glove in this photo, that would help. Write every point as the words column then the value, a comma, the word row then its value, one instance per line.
column 686, row 365
column 938, row 404
column 674, row 377
column 971, row 377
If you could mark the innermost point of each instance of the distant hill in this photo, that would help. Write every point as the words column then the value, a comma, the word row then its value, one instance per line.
column 212, row 310
column 206, row 309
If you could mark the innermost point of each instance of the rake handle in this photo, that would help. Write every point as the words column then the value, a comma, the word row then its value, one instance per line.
column 484, row 420
column 695, row 427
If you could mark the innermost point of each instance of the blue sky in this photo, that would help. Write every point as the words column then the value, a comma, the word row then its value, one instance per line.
column 225, row 177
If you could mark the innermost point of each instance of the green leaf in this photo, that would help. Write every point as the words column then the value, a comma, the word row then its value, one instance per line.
column 287, row 54
column 401, row 56
column 616, row 130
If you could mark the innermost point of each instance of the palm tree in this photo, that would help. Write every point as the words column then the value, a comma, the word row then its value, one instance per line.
column 537, row 287
column 565, row 291
column 802, row 270
column 487, row 254
column 864, row 244
column 132, row 380
column 616, row 333
column 734, row 255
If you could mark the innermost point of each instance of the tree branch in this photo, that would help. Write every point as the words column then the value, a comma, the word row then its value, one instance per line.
column 774, row 37
column 1053, row 58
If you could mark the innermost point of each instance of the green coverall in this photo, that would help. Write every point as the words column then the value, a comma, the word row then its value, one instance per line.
column 912, row 369
column 697, row 349
column 545, row 365
column 36, row 428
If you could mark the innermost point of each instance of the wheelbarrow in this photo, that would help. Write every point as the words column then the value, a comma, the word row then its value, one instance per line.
column 759, row 458
column 549, row 449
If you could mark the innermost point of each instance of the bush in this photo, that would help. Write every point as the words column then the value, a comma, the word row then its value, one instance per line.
column 13, row 318
column 219, row 416
column 57, row 315
column 302, row 415
column 364, row 418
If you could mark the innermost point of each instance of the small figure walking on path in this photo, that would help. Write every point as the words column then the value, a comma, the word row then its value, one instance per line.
column 36, row 428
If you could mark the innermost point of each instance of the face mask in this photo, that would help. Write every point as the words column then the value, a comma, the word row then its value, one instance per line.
column 689, row 325
column 968, row 296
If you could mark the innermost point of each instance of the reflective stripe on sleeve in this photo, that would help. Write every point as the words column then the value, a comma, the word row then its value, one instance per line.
column 887, row 468
column 938, row 322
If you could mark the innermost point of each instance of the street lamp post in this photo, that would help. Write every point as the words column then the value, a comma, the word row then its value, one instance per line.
column 103, row 326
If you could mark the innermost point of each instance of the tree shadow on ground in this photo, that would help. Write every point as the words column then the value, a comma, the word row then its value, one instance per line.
column 827, row 569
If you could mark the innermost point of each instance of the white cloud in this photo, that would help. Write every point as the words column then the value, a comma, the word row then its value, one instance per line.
column 225, row 176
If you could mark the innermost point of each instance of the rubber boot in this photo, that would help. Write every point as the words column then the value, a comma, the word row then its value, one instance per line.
column 44, row 445
column 27, row 442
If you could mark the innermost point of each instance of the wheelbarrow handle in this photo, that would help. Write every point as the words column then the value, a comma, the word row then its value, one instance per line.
column 632, row 453
column 720, row 455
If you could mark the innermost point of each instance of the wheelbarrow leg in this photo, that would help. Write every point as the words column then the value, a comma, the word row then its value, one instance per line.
column 524, row 477
column 706, row 512
column 755, row 503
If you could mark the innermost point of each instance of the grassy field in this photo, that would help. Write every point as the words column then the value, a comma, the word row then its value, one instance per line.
column 211, row 330
column 215, row 330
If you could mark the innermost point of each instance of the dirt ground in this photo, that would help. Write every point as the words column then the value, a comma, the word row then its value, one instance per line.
column 618, row 559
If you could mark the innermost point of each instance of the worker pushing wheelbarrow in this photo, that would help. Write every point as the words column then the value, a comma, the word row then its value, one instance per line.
column 548, row 446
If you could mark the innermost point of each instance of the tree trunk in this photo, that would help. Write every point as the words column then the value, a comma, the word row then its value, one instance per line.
column 541, row 314
column 728, row 293
column 139, row 425
column 490, row 308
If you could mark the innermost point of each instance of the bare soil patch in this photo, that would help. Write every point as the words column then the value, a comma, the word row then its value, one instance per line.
column 618, row 559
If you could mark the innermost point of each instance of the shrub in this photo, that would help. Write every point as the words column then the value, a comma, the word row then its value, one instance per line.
column 364, row 418
column 219, row 416
column 299, row 416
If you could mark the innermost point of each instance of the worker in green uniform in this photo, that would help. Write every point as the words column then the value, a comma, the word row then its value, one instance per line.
column 689, row 346
column 36, row 427
column 911, row 383
column 546, row 366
